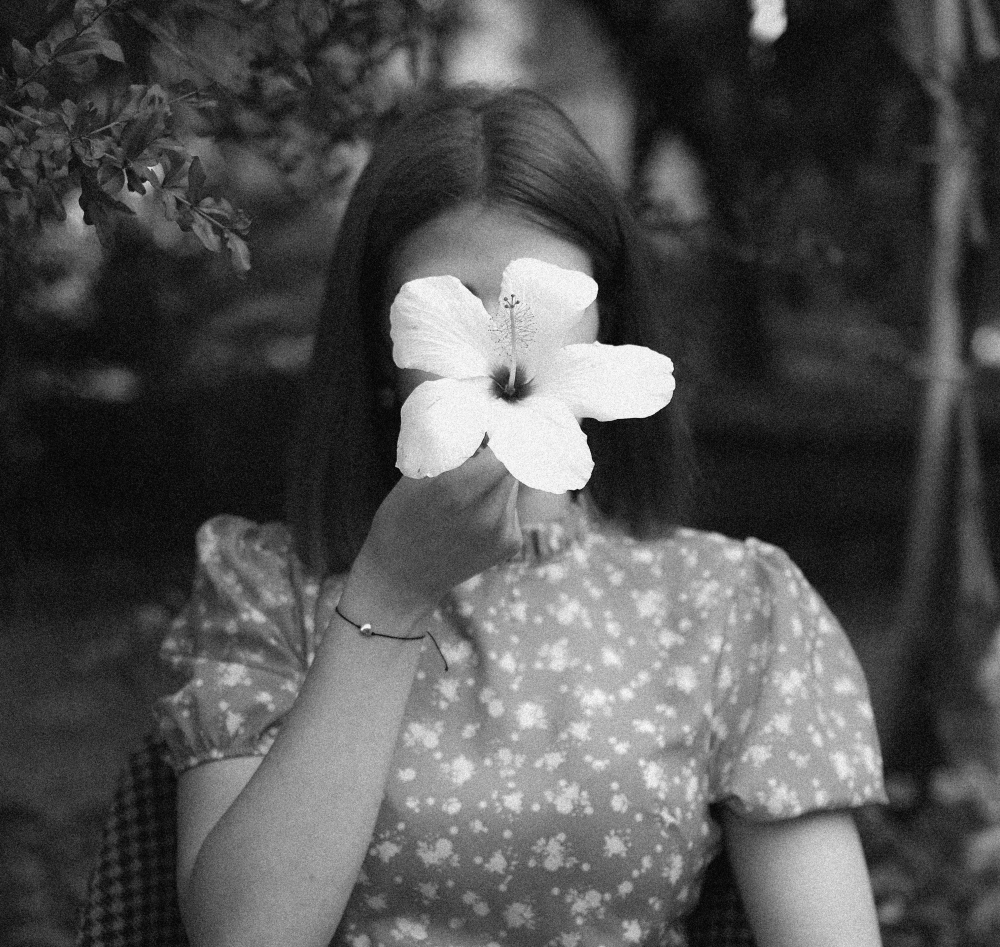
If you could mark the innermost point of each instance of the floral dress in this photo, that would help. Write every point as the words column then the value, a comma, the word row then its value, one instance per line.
column 557, row 786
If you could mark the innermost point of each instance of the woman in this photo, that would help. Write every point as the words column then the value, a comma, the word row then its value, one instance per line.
column 622, row 696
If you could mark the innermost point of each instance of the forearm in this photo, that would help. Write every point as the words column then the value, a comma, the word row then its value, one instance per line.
column 279, row 866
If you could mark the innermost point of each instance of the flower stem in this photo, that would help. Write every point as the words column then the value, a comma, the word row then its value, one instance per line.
column 21, row 115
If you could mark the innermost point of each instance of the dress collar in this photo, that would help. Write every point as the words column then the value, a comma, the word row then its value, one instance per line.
column 546, row 541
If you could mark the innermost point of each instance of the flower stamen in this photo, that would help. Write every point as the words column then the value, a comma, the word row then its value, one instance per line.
column 510, row 303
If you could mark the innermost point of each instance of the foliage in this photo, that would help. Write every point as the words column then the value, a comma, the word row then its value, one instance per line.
column 934, row 857
column 297, row 77
column 100, row 140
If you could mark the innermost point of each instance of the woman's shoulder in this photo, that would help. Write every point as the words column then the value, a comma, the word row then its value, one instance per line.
column 233, row 548
column 226, row 536
column 250, row 569
column 707, row 556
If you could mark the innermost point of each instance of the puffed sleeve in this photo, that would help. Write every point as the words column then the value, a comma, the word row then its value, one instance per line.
column 793, row 729
column 243, row 642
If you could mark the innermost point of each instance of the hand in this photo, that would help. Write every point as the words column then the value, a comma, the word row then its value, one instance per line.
column 431, row 534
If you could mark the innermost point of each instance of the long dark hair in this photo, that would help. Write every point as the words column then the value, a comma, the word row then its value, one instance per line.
column 510, row 149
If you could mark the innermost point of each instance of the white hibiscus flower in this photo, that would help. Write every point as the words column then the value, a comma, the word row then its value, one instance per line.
column 509, row 376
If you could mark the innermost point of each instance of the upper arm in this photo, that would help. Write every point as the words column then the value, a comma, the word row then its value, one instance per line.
column 804, row 881
column 204, row 794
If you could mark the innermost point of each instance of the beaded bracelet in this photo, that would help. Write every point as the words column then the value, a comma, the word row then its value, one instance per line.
column 366, row 631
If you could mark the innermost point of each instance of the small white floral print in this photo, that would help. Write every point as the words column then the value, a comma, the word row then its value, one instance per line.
column 387, row 850
column 513, row 801
column 448, row 689
column 843, row 766
column 758, row 754
column 518, row 915
column 422, row 735
column 648, row 603
column 497, row 864
column 631, row 932
column 531, row 716
column 610, row 657
column 654, row 775
column 407, row 928
column 234, row 721
column 587, row 902
column 440, row 853
column 479, row 907
column 569, row 612
column 553, row 852
column 552, row 761
column 460, row 770
column 428, row 890
column 556, row 654
column 614, row 845
column 233, row 675
column 685, row 678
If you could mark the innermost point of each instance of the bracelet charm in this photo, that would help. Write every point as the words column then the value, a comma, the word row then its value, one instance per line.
column 366, row 631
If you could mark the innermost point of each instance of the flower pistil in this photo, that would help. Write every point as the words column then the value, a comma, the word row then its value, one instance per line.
column 510, row 303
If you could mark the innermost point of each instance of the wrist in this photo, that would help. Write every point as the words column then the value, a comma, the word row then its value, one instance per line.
column 370, row 597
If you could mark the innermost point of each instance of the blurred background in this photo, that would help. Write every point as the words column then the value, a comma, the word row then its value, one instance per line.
column 820, row 177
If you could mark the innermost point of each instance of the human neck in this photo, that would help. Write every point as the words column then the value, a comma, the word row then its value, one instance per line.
column 535, row 507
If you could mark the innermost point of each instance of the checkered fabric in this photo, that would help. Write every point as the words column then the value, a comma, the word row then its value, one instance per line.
column 132, row 901
column 719, row 919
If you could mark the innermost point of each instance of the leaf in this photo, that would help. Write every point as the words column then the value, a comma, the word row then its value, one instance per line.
column 110, row 178
column 63, row 31
column 137, row 134
column 7, row 137
column 156, row 97
column 24, row 61
column 136, row 179
column 91, row 150
column 239, row 252
column 109, row 49
column 100, row 210
column 175, row 171
column 168, row 197
column 126, row 104
column 36, row 92
column 206, row 233
column 218, row 208
column 87, row 46
column 240, row 222
column 85, row 12
column 69, row 111
column 314, row 18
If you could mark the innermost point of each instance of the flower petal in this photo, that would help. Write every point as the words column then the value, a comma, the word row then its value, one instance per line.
column 540, row 442
column 441, row 425
column 554, row 300
column 608, row 382
column 439, row 326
